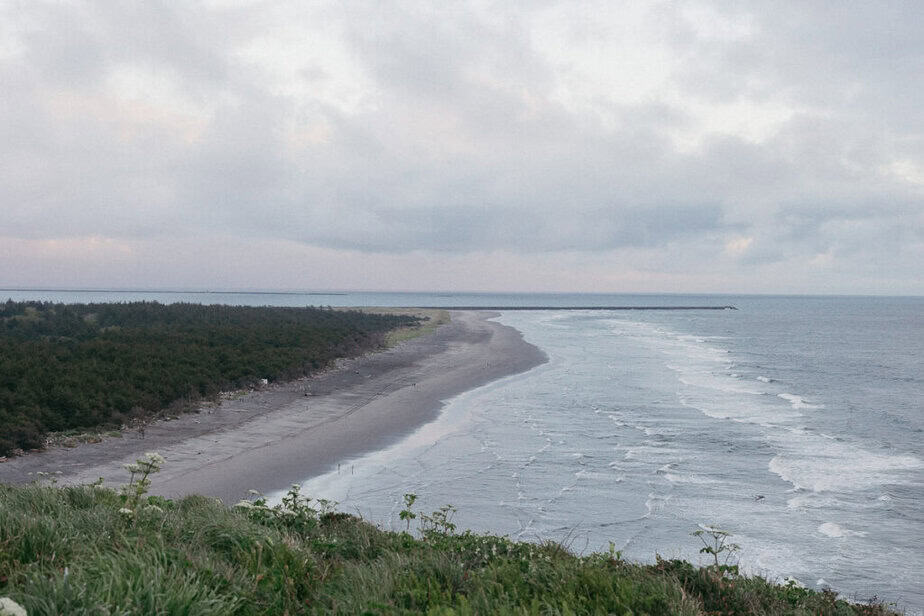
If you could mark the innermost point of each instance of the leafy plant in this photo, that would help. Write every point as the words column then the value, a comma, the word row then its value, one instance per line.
column 439, row 522
column 715, row 543
column 136, row 488
column 406, row 514
column 294, row 512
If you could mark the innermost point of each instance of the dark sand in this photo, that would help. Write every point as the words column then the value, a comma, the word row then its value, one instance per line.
column 272, row 438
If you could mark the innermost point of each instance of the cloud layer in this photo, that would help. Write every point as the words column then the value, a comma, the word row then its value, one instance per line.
column 604, row 146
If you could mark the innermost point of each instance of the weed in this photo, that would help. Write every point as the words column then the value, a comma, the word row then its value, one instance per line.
column 136, row 488
column 439, row 522
column 406, row 514
column 717, row 544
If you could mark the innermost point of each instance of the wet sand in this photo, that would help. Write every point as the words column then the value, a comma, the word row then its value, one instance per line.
column 286, row 433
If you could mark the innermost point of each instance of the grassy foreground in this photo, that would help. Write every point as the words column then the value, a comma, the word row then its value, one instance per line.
column 91, row 550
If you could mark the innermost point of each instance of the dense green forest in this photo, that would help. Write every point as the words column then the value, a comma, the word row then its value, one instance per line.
column 75, row 366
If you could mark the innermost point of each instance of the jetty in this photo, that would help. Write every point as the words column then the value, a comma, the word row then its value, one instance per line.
column 577, row 308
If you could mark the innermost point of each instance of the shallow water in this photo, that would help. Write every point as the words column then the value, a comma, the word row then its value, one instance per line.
column 794, row 424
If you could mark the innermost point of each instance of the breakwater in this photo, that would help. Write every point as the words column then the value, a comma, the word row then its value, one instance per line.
column 505, row 308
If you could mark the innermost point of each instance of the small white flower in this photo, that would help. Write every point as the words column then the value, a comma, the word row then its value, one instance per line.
column 154, row 458
column 126, row 511
column 153, row 509
column 244, row 504
column 8, row 607
column 132, row 468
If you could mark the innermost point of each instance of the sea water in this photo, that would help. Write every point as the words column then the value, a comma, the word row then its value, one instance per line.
column 795, row 424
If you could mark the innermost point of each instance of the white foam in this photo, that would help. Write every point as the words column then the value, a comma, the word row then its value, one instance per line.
column 798, row 403
column 836, row 531
column 748, row 410
column 655, row 503
column 706, row 379
column 812, row 500
column 688, row 479
column 823, row 465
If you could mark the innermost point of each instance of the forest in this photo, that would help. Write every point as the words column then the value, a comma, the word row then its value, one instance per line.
column 81, row 366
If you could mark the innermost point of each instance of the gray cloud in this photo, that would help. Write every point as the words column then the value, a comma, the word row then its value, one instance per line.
column 777, row 134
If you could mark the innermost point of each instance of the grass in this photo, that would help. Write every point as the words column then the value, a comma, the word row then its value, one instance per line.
column 79, row 550
column 430, row 319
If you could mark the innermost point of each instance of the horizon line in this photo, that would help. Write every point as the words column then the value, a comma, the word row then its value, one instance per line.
column 342, row 292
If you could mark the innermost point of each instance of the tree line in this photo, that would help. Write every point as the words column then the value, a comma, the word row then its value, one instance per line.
column 79, row 366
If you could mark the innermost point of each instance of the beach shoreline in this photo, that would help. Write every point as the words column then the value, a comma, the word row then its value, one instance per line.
column 286, row 433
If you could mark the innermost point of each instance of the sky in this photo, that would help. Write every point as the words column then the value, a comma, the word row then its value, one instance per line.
column 701, row 146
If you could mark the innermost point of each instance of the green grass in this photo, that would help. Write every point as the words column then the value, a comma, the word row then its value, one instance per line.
column 68, row 550
column 428, row 319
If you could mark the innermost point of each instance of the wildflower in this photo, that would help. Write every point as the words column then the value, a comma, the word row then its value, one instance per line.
column 126, row 511
column 244, row 504
column 8, row 607
column 132, row 468
column 154, row 458
column 153, row 509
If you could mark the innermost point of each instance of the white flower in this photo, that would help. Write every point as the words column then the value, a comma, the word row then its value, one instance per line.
column 126, row 511
column 132, row 468
column 244, row 504
column 153, row 509
column 8, row 607
column 154, row 458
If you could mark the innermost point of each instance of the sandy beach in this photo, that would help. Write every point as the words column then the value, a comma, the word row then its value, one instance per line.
column 288, row 432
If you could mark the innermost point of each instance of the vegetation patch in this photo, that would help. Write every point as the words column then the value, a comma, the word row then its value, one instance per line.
column 92, row 550
column 426, row 322
column 78, row 369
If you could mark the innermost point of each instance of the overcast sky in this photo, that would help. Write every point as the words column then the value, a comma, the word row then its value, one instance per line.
column 524, row 146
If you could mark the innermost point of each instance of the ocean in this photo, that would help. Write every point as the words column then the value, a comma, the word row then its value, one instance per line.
column 794, row 423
